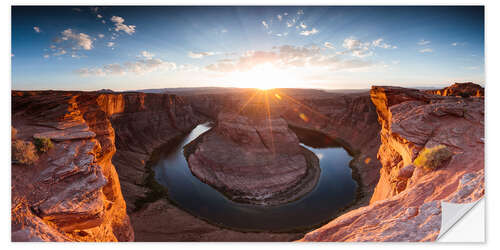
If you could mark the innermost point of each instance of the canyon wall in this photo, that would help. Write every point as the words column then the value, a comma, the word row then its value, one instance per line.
column 405, row 205
column 83, row 188
column 346, row 118
column 72, row 193
column 84, row 200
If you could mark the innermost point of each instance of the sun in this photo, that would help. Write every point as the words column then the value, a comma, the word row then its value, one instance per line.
column 263, row 77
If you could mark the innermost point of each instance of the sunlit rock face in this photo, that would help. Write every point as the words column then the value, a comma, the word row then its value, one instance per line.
column 255, row 161
column 405, row 205
column 466, row 89
column 72, row 192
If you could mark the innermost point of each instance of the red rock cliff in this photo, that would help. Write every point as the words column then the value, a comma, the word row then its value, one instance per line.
column 405, row 205
column 73, row 192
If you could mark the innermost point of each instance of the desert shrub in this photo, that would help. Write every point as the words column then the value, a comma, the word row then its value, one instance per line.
column 24, row 152
column 43, row 144
column 432, row 158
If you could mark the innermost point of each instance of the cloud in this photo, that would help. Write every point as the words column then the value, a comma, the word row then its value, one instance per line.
column 265, row 24
column 60, row 53
column 199, row 55
column 328, row 45
column 290, row 23
column 147, row 55
column 426, row 50
column 81, row 40
column 46, row 56
column 223, row 31
column 379, row 43
column 119, row 25
column 139, row 67
column 357, row 48
column 309, row 32
column 68, row 40
column 37, row 29
column 423, row 42
column 77, row 9
column 101, row 35
column 300, row 12
column 302, row 25
column 285, row 57
column 99, row 16
column 280, row 17
column 110, row 44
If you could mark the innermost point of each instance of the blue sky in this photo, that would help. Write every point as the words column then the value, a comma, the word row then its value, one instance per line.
column 126, row 48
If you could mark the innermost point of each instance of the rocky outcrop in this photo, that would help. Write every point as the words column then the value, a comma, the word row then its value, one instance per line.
column 72, row 192
column 466, row 89
column 405, row 205
column 253, row 161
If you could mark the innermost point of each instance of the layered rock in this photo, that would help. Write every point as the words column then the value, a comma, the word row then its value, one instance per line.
column 72, row 192
column 405, row 205
column 254, row 161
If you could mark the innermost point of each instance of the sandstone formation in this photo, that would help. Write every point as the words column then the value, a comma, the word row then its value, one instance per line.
column 95, row 135
column 103, row 140
column 466, row 89
column 405, row 205
column 255, row 161
column 72, row 192
column 345, row 118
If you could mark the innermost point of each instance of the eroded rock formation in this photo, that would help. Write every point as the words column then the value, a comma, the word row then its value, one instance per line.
column 254, row 161
column 346, row 118
column 466, row 89
column 405, row 205
column 72, row 192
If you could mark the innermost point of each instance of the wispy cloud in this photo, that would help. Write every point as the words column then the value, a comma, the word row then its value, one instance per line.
column 426, row 50
column 288, row 56
column 357, row 47
column 423, row 42
column 309, row 32
column 147, row 55
column 265, row 24
column 328, row 45
column 199, row 55
column 121, row 26
column 70, row 40
column 141, row 66
column 37, row 29
column 110, row 44
column 379, row 43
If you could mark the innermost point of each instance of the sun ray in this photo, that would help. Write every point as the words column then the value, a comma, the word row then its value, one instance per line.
column 269, row 121
column 247, row 102
column 303, row 105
